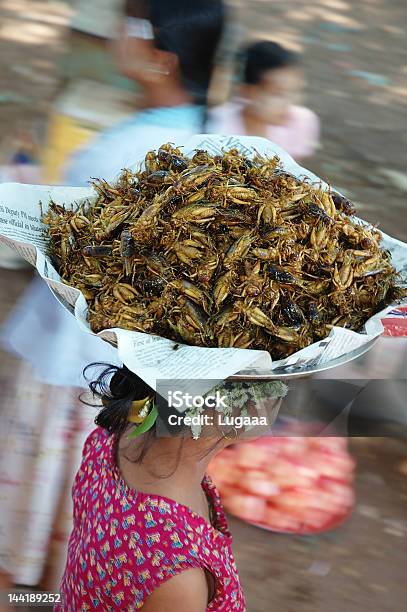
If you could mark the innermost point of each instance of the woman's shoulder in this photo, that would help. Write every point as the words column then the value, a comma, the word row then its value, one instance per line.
column 96, row 437
column 96, row 445
column 177, row 527
column 156, row 536
column 170, row 518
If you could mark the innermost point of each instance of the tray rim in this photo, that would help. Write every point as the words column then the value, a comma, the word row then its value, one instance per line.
column 304, row 371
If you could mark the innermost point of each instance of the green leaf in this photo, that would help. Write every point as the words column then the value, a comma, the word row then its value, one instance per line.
column 146, row 424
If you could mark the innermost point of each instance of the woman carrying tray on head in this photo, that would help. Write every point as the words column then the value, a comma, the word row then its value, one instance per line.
column 149, row 528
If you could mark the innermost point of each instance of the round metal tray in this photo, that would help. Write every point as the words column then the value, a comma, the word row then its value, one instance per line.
column 302, row 370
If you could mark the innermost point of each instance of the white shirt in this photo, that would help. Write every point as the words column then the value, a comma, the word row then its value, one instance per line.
column 126, row 144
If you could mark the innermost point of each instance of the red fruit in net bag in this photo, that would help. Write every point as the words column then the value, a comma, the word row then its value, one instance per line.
column 329, row 444
column 252, row 455
column 258, row 483
column 297, row 465
column 280, row 466
column 223, row 470
column 227, row 491
column 246, row 507
column 280, row 521
column 305, row 492
column 289, row 446
column 229, row 474
column 337, row 466
column 341, row 494
column 315, row 518
column 293, row 479
column 294, row 501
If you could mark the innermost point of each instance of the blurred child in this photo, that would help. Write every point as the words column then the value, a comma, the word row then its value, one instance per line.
column 268, row 102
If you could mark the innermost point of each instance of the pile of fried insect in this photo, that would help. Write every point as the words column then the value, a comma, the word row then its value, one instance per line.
column 221, row 251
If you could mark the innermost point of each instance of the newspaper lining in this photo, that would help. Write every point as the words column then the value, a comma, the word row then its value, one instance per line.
column 153, row 357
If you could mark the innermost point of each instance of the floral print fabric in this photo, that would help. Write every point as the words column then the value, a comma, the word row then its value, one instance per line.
column 126, row 543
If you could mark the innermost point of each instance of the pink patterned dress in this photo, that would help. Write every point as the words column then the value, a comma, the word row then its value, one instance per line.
column 126, row 543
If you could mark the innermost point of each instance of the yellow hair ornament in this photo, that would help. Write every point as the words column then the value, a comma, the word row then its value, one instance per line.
column 139, row 410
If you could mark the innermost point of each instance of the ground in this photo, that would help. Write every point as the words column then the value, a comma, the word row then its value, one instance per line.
column 356, row 62
column 355, row 59
column 359, row 566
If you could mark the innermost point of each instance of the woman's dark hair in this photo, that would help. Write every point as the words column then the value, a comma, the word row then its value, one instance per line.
column 263, row 56
column 116, row 388
column 191, row 29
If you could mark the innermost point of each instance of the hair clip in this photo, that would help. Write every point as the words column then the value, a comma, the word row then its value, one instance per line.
column 139, row 410
column 143, row 413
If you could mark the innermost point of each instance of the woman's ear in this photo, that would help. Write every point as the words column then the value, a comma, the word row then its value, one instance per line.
column 167, row 61
column 138, row 59
column 132, row 56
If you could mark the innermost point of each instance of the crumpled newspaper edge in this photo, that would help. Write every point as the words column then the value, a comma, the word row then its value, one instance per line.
column 153, row 357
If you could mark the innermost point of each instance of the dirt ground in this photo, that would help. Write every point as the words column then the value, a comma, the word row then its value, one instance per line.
column 355, row 59
column 359, row 566
column 356, row 62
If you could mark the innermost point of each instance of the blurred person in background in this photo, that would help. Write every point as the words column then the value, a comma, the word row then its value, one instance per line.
column 93, row 26
column 42, row 423
column 92, row 94
column 268, row 99
column 170, row 50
